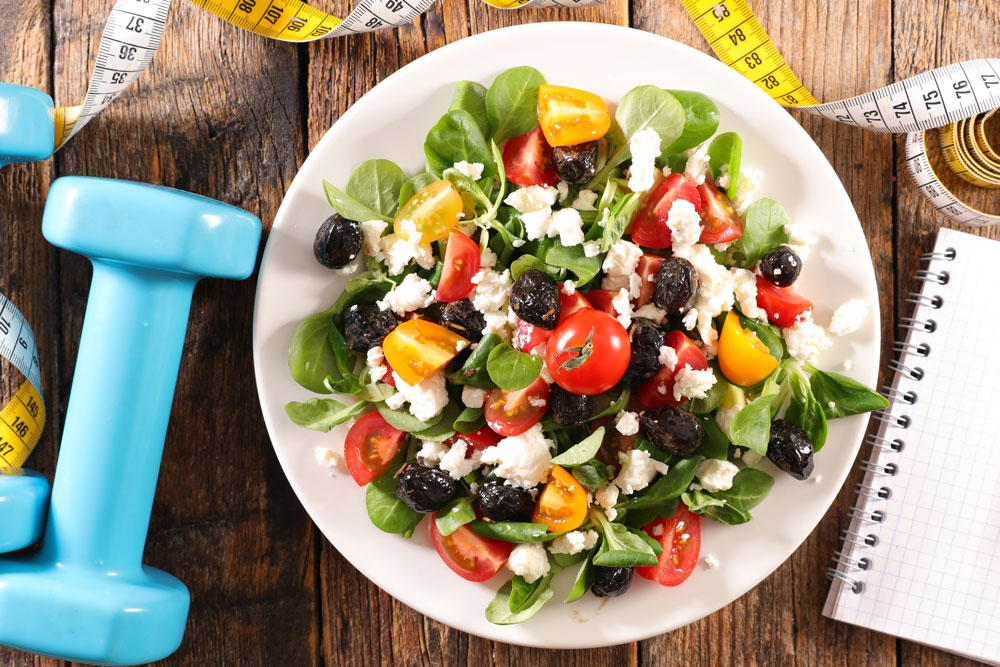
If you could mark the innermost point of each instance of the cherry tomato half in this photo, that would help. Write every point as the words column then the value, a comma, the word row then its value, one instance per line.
column 588, row 353
column 370, row 447
column 477, row 440
column 434, row 210
column 680, row 537
column 743, row 358
column 528, row 336
column 418, row 348
column 660, row 390
column 649, row 226
column 569, row 116
column 470, row 556
column 461, row 262
column 600, row 299
column 718, row 217
column 649, row 265
column 782, row 305
column 562, row 504
column 527, row 159
column 514, row 412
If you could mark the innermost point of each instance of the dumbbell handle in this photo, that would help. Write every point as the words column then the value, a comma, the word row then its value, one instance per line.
column 116, row 421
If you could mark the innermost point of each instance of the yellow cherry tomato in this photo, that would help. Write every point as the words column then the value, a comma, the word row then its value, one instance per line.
column 743, row 358
column 569, row 116
column 433, row 212
column 418, row 348
column 562, row 504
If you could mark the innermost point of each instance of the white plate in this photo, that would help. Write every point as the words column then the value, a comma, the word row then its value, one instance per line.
column 391, row 122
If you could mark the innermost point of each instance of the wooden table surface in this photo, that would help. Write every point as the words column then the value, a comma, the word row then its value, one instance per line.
column 230, row 115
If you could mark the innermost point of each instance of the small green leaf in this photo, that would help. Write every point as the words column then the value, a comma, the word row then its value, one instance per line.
column 457, row 137
column 849, row 397
column 512, row 369
column 764, row 229
column 512, row 102
column 725, row 151
column 454, row 515
column 322, row 414
column 470, row 96
column 310, row 358
column 349, row 207
column 584, row 579
column 582, row 452
column 387, row 512
column 701, row 119
column 751, row 427
column 376, row 184
column 404, row 421
column 512, row 531
column 499, row 611
column 473, row 372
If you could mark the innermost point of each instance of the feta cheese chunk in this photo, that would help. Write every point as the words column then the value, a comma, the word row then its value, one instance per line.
column 529, row 561
column 684, row 223
column 574, row 542
column 456, row 464
column 562, row 191
column 473, row 397
column 492, row 290
column 745, row 288
column 431, row 452
column 567, row 223
column 427, row 398
column 375, row 358
column 697, row 164
column 327, row 458
column 800, row 239
column 568, row 287
column 473, row 171
column 585, row 201
column 645, row 148
column 805, row 339
column 715, row 475
column 371, row 234
column 725, row 416
column 627, row 423
column 411, row 294
column 638, row 469
column 522, row 460
column 399, row 252
column 531, row 198
column 746, row 189
column 711, row 561
column 849, row 317
column 622, row 304
column 620, row 263
column 715, row 291
column 668, row 357
column 591, row 248
column 650, row 312
column 607, row 497
column 689, row 383
column 751, row 458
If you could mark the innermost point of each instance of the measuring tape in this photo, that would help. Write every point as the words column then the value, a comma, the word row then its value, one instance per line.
column 22, row 419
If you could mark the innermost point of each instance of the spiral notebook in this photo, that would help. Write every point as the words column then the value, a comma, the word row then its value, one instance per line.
column 921, row 557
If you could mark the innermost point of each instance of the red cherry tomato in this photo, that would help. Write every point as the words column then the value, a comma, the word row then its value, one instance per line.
column 680, row 537
column 477, row 440
column 600, row 299
column 528, row 336
column 782, row 305
column 514, row 412
column 571, row 303
column 718, row 217
column 527, row 159
column 649, row 226
column 648, row 267
column 462, row 261
column 660, row 390
column 470, row 556
column 588, row 353
column 370, row 447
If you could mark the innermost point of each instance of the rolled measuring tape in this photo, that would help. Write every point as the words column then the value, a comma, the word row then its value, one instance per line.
column 22, row 419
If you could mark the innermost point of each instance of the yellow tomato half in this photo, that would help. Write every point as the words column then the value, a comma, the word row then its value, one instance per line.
column 562, row 504
column 743, row 358
column 433, row 212
column 418, row 348
column 569, row 116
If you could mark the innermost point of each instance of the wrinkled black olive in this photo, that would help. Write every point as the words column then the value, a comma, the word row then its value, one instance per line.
column 535, row 299
column 610, row 582
column 567, row 408
column 337, row 242
column 646, row 338
column 676, row 285
column 790, row 449
column 425, row 489
column 365, row 326
column 463, row 318
column 672, row 429
column 576, row 164
column 499, row 502
column 781, row 266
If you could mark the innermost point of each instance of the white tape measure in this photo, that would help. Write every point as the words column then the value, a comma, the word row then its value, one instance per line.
column 22, row 419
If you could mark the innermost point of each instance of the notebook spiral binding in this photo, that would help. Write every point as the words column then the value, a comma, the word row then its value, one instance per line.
column 847, row 565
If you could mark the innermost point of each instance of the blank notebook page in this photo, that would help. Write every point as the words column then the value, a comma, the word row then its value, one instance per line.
column 933, row 576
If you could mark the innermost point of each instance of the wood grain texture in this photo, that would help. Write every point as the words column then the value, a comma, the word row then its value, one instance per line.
column 232, row 116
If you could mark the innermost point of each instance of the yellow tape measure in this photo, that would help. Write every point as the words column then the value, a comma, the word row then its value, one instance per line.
column 22, row 419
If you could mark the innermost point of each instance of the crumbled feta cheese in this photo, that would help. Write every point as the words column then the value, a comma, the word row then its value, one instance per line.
column 399, row 252
column 799, row 239
column 531, row 198
column 816, row 479
column 562, row 190
column 371, row 233
column 848, row 365
column 745, row 288
column 492, row 290
column 396, row 401
column 623, row 306
column 724, row 418
column 645, row 148
column 750, row 180
column 690, row 319
column 722, row 182
column 635, row 285
column 456, row 464
column 650, row 312
column 684, row 223
column 488, row 259
column 715, row 290
column 427, row 398
column 569, row 287
column 751, row 458
column 327, row 458
column 567, row 223
column 697, row 164
column 637, row 470
column 805, row 339
column 473, row 397
column 716, row 475
column 621, row 262
column 522, row 460
column 497, row 323
column 627, row 423
column 375, row 358
column 668, row 357
column 411, row 294
column 517, row 243
column 711, row 561
column 591, row 248
column 690, row 383
column 473, row 171
column 536, row 401
column 529, row 561
column 658, row 530
column 574, row 542
column 607, row 497
column 431, row 452
column 585, row 201
column 848, row 317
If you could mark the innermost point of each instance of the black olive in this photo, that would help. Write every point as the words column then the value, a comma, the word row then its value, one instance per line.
column 610, row 582
column 672, row 429
column 567, row 408
column 500, row 502
column 676, row 285
column 338, row 241
column 576, row 164
column 535, row 299
column 463, row 318
column 425, row 489
column 781, row 266
column 790, row 449
column 365, row 326
column 646, row 339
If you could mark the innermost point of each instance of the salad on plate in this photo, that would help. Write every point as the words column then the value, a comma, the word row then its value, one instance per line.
column 569, row 340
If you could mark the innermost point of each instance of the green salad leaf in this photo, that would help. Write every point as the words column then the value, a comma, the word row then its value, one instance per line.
column 764, row 229
column 750, row 487
column 512, row 102
column 457, row 137
column 512, row 369
column 581, row 452
column 376, row 184
column 454, row 515
column 725, row 151
column 701, row 120
column 310, row 358
column 751, row 427
column 473, row 372
column 322, row 414
column 512, row 531
column 349, row 207
column 387, row 512
column 470, row 96
column 848, row 397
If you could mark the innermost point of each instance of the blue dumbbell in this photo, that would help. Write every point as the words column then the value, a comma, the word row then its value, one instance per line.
column 86, row 595
column 27, row 134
